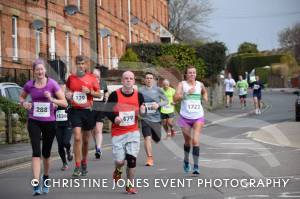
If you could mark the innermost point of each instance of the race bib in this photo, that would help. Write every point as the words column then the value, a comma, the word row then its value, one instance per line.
column 193, row 106
column 167, row 108
column 61, row 115
column 256, row 87
column 128, row 118
column 79, row 98
column 100, row 99
column 149, row 107
column 242, row 91
column 41, row 109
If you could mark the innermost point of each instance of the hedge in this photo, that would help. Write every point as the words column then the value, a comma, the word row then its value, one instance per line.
column 8, row 106
column 239, row 64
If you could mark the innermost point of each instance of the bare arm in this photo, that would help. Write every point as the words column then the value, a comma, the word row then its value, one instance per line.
column 179, row 93
column 204, row 93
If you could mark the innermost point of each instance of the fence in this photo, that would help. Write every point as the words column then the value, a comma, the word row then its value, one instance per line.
column 17, row 75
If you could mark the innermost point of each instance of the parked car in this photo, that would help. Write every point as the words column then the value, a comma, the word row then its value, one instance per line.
column 10, row 90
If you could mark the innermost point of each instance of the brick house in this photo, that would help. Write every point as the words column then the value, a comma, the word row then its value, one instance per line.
column 58, row 30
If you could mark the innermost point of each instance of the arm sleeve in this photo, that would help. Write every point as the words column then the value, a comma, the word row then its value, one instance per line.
column 111, row 102
column 164, row 101
column 141, row 99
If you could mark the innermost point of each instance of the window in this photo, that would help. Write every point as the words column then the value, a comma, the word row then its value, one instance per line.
column 100, row 2
column 79, row 4
column 80, row 44
column 15, row 38
column 13, row 93
column 52, row 43
column 66, row 2
column 37, row 43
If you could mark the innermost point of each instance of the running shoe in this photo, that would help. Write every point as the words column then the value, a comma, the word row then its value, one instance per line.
column 45, row 187
column 117, row 175
column 98, row 154
column 186, row 167
column 36, row 190
column 76, row 172
column 69, row 155
column 84, row 170
column 149, row 161
column 131, row 190
column 173, row 133
column 196, row 171
column 65, row 166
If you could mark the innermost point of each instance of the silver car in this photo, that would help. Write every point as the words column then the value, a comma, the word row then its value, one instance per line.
column 10, row 90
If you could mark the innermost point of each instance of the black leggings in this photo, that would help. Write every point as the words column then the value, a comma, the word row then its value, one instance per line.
column 63, row 136
column 41, row 130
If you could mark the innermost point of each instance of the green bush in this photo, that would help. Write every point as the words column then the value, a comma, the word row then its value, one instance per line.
column 214, row 56
column 8, row 106
column 241, row 63
column 130, row 56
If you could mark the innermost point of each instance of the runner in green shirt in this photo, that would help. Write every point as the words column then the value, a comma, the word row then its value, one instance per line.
column 242, row 87
column 167, row 111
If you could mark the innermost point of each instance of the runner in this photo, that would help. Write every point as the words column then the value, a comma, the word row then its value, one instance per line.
column 229, row 88
column 191, row 120
column 256, row 86
column 98, row 110
column 82, row 87
column 242, row 86
column 151, row 121
column 167, row 112
column 63, row 133
column 44, row 93
column 126, row 103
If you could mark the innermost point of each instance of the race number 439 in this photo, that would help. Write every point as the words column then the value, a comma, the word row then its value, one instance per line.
column 79, row 98
column 41, row 109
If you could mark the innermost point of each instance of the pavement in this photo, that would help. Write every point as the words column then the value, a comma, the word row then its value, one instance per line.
column 12, row 154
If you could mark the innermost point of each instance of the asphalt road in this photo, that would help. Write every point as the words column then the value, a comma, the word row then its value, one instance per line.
column 232, row 164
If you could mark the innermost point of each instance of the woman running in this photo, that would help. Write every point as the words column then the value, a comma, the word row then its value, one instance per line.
column 191, row 118
column 44, row 93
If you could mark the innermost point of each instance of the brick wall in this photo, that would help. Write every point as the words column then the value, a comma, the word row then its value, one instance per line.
column 111, row 14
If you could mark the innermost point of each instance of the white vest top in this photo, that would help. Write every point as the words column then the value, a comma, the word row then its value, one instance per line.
column 191, row 107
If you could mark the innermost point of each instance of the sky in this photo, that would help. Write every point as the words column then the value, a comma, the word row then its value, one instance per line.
column 257, row 21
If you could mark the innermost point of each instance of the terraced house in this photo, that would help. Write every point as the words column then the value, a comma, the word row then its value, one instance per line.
column 58, row 30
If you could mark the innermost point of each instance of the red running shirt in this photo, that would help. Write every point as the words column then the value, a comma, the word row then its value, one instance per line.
column 75, row 83
column 128, row 109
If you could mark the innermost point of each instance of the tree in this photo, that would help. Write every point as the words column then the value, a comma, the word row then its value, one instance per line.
column 289, row 39
column 247, row 47
column 187, row 17
column 214, row 56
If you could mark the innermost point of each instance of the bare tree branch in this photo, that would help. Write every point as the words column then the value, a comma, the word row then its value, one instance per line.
column 187, row 17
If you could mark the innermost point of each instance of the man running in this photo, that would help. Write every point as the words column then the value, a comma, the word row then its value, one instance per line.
column 122, row 108
column 229, row 88
column 242, row 87
column 82, row 87
column 191, row 120
column 256, row 86
column 167, row 111
column 98, row 110
column 151, row 121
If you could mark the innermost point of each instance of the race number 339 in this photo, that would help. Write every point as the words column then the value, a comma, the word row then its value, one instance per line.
column 128, row 118
column 193, row 106
column 41, row 109
column 79, row 98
